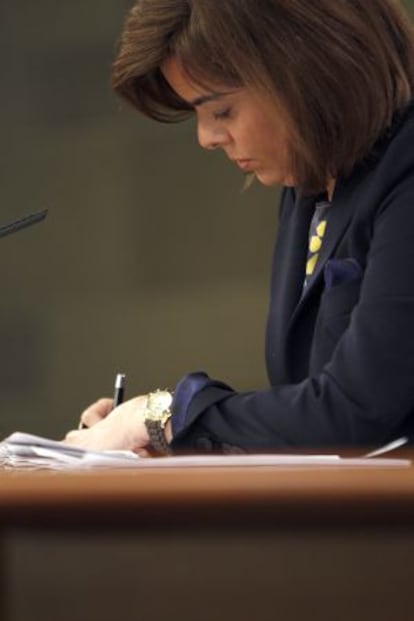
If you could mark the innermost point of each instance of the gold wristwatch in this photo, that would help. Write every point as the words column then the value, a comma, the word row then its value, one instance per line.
column 156, row 415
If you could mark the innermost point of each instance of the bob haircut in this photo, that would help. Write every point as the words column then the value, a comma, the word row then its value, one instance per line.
column 340, row 69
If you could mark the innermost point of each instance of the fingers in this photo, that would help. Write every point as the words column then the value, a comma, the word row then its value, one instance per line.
column 121, row 428
column 96, row 412
column 81, row 439
column 143, row 453
column 74, row 438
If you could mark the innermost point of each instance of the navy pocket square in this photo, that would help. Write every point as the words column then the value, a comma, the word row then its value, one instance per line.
column 340, row 271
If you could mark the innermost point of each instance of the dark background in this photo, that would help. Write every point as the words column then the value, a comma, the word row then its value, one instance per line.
column 151, row 261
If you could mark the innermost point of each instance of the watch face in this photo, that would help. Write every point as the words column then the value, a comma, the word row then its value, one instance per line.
column 160, row 401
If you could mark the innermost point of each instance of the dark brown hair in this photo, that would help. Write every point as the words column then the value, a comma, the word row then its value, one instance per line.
column 340, row 69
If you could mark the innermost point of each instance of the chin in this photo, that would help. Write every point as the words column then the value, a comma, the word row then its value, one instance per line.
column 269, row 179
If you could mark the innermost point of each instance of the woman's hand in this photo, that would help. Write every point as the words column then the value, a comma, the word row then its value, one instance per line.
column 120, row 429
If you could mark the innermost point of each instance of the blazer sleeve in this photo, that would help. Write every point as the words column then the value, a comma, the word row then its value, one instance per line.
column 364, row 394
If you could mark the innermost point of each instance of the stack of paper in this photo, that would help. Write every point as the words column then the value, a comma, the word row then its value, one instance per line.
column 25, row 451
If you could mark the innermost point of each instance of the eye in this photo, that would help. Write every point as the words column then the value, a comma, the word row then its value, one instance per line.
column 222, row 114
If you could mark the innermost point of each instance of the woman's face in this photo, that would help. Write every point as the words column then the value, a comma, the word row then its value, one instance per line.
column 248, row 126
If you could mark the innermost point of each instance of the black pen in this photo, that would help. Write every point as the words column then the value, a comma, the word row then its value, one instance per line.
column 119, row 389
column 118, row 394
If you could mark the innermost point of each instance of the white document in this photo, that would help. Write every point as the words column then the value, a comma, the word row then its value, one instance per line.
column 25, row 451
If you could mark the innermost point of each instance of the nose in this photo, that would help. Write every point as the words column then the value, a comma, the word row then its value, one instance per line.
column 211, row 137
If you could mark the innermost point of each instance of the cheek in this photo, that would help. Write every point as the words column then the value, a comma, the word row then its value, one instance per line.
column 274, row 163
column 268, row 141
column 244, row 138
column 275, row 154
column 279, row 149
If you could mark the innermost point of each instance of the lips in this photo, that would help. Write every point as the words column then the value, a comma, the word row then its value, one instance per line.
column 245, row 165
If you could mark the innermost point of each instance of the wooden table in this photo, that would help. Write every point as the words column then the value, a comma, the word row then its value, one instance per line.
column 200, row 498
column 322, row 526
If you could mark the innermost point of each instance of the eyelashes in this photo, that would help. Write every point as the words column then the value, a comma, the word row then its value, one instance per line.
column 222, row 114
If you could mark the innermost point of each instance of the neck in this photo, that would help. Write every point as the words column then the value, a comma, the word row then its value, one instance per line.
column 330, row 188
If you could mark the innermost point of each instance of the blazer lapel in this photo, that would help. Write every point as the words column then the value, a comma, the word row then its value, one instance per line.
column 291, row 260
column 287, row 280
column 288, row 298
column 339, row 217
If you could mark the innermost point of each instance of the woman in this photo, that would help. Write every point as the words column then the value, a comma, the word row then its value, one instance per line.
column 316, row 97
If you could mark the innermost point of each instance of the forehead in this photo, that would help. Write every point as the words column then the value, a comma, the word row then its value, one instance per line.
column 180, row 82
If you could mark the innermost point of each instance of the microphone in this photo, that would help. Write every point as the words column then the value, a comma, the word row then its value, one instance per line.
column 22, row 223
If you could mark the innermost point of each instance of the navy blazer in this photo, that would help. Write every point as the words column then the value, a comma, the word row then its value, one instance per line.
column 340, row 354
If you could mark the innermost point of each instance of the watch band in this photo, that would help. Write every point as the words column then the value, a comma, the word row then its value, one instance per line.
column 157, row 437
